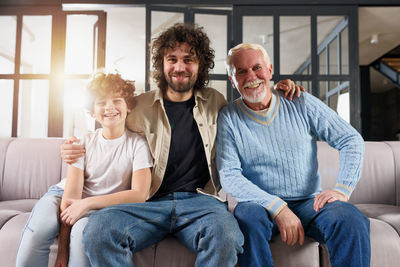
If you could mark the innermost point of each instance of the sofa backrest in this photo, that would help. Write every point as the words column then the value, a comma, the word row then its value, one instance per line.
column 29, row 166
column 380, row 176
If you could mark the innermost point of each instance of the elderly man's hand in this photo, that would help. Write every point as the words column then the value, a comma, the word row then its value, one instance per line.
column 328, row 196
column 290, row 227
column 70, row 152
column 290, row 88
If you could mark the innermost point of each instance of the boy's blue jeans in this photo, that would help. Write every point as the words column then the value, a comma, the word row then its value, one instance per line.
column 202, row 223
column 42, row 228
column 339, row 225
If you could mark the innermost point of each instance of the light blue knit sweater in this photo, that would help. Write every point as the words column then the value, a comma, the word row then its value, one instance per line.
column 271, row 159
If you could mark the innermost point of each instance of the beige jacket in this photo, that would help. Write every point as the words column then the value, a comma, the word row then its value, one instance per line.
column 149, row 118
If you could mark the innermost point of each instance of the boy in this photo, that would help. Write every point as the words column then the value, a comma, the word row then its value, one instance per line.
column 115, row 170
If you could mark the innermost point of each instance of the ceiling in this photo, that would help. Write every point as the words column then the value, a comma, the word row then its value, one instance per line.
column 384, row 22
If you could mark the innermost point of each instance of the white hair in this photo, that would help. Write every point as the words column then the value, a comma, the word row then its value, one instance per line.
column 243, row 46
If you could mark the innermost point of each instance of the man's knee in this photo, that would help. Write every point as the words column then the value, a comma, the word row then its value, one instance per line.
column 346, row 216
column 225, row 231
column 252, row 215
column 97, row 229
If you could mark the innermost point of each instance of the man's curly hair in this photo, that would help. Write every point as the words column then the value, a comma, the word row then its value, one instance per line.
column 102, row 84
column 196, row 38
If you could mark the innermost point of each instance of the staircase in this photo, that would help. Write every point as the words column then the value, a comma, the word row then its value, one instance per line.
column 389, row 65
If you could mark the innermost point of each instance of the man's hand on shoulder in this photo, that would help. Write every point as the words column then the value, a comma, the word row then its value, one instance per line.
column 70, row 152
column 290, row 227
column 328, row 196
column 290, row 88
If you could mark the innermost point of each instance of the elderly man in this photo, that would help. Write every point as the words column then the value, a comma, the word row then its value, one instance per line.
column 267, row 160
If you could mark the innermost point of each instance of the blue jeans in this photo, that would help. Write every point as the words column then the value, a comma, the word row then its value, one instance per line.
column 339, row 225
column 202, row 223
column 42, row 228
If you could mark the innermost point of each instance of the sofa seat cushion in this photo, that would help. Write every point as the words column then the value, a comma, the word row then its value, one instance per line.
column 170, row 252
column 23, row 205
column 6, row 215
column 284, row 255
column 385, row 244
column 387, row 213
column 10, row 235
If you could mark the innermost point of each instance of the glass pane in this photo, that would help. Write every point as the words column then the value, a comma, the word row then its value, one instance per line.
column 36, row 44
column 8, row 26
column 79, row 44
column 126, row 44
column 161, row 20
column 216, row 28
column 340, row 99
column 219, row 85
column 306, row 71
column 332, row 85
column 33, row 108
column 295, row 36
column 333, row 57
column 328, row 30
column 325, row 26
column 345, row 50
column 260, row 30
column 6, row 107
column 322, row 62
column 306, row 84
column 333, row 100
column 77, row 119
column 343, row 106
column 323, row 90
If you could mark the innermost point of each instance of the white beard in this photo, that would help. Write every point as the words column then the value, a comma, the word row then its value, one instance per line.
column 255, row 98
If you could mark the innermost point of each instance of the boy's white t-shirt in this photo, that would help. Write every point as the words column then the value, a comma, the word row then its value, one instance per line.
column 108, row 164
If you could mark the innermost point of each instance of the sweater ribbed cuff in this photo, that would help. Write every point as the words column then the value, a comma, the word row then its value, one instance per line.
column 275, row 207
column 344, row 189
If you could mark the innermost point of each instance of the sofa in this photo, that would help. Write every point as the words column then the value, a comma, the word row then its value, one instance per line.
column 29, row 166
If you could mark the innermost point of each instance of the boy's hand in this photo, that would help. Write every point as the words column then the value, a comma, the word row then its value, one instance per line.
column 290, row 88
column 76, row 209
column 70, row 152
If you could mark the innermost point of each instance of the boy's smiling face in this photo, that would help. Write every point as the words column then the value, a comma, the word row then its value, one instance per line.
column 110, row 111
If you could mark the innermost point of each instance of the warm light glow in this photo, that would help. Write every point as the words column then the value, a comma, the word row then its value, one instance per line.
column 79, row 44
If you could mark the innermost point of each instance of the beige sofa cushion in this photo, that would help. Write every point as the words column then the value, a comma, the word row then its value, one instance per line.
column 387, row 213
column 25, row 178
column 378, row 163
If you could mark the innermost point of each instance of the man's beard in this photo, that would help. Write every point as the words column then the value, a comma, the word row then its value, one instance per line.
column 181, row 87
column 257, row 98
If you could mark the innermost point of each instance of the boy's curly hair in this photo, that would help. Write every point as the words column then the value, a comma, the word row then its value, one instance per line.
column 196, row 38
column 102, row 84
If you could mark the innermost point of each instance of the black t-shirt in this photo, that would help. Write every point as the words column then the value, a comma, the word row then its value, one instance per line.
column 187, row 164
